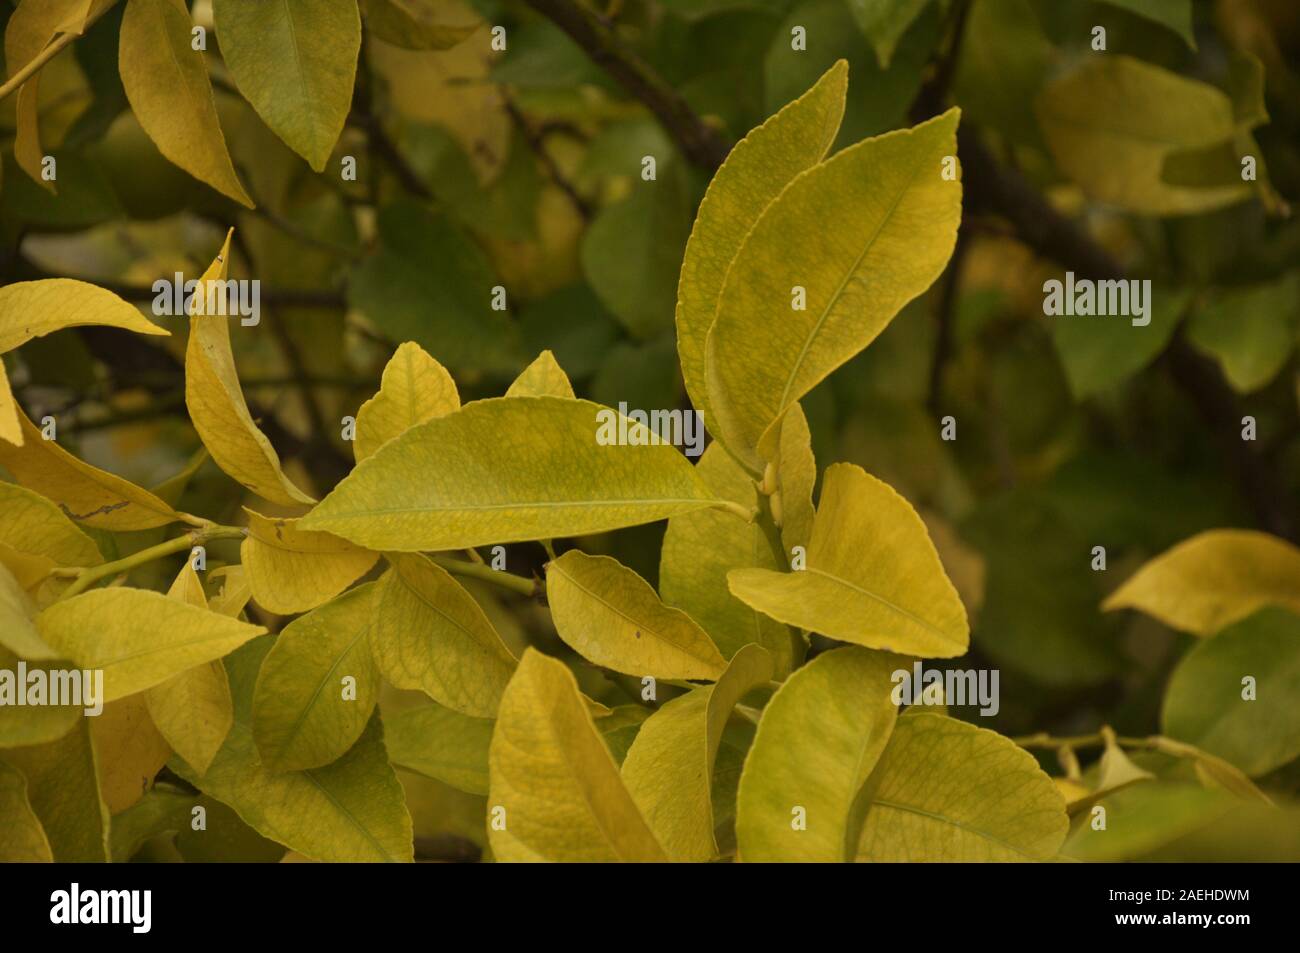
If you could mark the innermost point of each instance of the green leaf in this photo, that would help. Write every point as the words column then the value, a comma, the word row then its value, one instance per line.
column 442, row 744
column 431, row 635
column 611, row 616
column 139, row 638
column 1250, row 331
column 166, row 81
column 507, row 470
column 1214, row 579
column 755, row 172
column 669, row 767
column 413, row 389
column 292, row 570
column 947, row 791
column 818, row 740
column 699, row 550
column 22, row 839
column 873, row 576
column 415, row 24
column 295, row 61
column 1174, row 14
column 349, row 811
column 160, row 811
column 305, row 711
column 554, row 779
column 876, row 224
column 1207, row 704
column 63, row 790
column 884, row 22
column 33, row 309
column 1145, row 817
column 542, row 378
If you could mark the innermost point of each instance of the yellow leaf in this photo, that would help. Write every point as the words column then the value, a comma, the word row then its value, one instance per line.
column 1214, row 579
column 432, row 636
column 414, row 388
column 139, row 638
column 554, row 787
column 819, row 738
column 22, row 839
column 873, row 576
column 17, row 632
column 82, row 492
column 862, row 234
column 758, row 168
column 507, row 470
column 415, row 24
column 130, row 751
column 542, row 378
column 796, row 474
column 235, row 592
column 10, row 429
column 611, row 616
column 193, row 710
column 947, row 791
column 292, row 570
column 22, row 725
column 317, row 686
column 216, row 402
column 167, row 85
column 669, row 768
column 63, row 790
column 33, row 309
column 32, row 525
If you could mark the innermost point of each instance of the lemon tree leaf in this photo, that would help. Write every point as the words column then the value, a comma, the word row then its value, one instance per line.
column 431, row 635
column 873, row 576
column 699, row 550
column 877, row 223
column 10, row 429
column 33, row 309
column 17, row 631
column 63, row 790
column 796, row 473
column 413, row 389
column 1251, row 332
column 82, row 492
column 292, row 570
column 1208, row 704
column 415, row 24
column 818, row 739
column 166, row 82
column 22, row 839
column 1214, row 579
column 22, row 725
column 216, row 402
column 884, row 22
column 611, row 616
column 295, row 61
column 1174, row 14
column 507, row 470
column 754, row 173
column 33, row 525
column 669, row 767
column 542, row 378
column 554, row 778
column 306, row 712
column 161, row 811
column 442, row 744
column 945, row 790
column 139, row 638
column 350, row 811
column 1142, row 818
column 129, row 751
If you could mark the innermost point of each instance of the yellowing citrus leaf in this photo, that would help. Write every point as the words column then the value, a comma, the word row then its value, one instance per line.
column 292, row 570
column 945, row 790
column 876, row 224
column 611, row 616
column 32, row 525
column 701, row 548
column 441, row 744
column 431, row 635
column 415, row 24
column 350, row 811
column 22, row 725
column 796, row 473
column 819, row 738
column 234, row 594
column 507, row 470
column 22, row 839
column 167, row 85
column 757, row 169
column 193, row 709
column 63, row 790
column 295, row 61
column 317, row 686
column 1214, row 579
column 216, row 402
column 33, row 309
column 554, row 779
column 139, row 638
column 84, row 493
column 17, row 631
column 10, row 429
column 873, row 576
column 542, row 378
column 414, row 388
column 669, row 767
column 129, row 751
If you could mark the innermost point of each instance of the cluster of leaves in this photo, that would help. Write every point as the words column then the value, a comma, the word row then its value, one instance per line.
column 658, row 660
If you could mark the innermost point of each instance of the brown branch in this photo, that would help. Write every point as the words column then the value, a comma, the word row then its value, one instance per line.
column 534, row 139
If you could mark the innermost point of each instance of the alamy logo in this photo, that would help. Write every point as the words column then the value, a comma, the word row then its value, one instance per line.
column 134, row 907
column 57, row 687
column 952, row 687
column 1087, row 297
column 636, row 428
column 242, row 297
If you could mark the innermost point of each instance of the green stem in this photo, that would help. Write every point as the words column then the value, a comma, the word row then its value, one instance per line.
column 463, row 567
column 87, row 577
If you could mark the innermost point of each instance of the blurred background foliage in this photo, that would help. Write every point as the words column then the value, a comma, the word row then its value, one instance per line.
column 522, row 168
